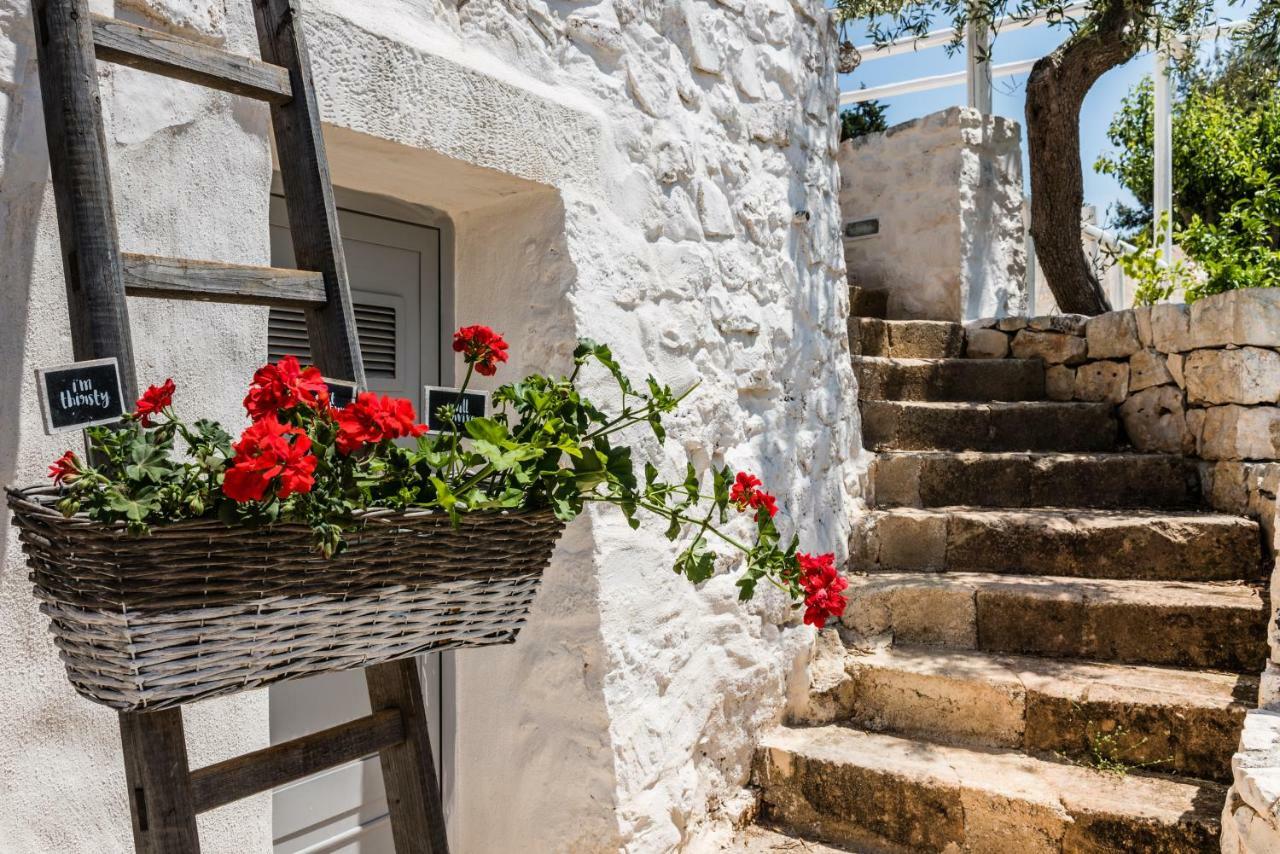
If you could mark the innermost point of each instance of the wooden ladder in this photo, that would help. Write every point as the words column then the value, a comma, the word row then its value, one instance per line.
column 165, row 796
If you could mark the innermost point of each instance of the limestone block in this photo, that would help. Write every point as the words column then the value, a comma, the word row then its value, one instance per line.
column 1248, row 316
column 1071, row 324
column 1269, row 685
column 1233, row 432
column 1097, row 381
column 1175, row 363
column 1054, row 348
column 1142, row 316
column 1012, row 324
column 986, row 344
column 1155, row 419
column 1113, row 335
column 1170, row 328
column 1059, row 382
column 1247, row 375
column 981, row 323
column 1148, row 368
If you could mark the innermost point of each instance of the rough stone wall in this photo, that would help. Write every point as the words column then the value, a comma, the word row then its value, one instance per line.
column 656, row 175
column 1201, row 380
column 191, row 173
column 947, row 191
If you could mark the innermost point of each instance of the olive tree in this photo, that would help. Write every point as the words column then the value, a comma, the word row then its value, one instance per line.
column 1103, row 35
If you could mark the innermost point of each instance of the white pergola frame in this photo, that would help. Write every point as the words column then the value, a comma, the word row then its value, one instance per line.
column 979, row 74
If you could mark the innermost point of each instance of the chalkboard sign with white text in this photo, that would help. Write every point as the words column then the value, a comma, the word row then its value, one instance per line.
column 341, row 392
column 473, row 404
column 80, row 395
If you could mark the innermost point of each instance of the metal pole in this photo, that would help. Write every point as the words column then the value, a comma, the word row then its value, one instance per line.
column 977, row 54
column 1162, row 191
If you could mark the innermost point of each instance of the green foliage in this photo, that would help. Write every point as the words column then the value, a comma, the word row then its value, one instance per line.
column 1226, row 170
column 1155, row 280
column 1109, row 748
column 1241, row 249
column 546, row 445
column 1224, row 147
column 861, row 119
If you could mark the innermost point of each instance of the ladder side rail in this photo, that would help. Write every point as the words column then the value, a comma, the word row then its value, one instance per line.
column 82, row 186
column 304, row 171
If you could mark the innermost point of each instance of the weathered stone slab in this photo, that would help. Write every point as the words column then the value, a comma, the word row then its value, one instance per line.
column 1170, row 328
column 986, row 344
column 1148, row 368
column 1059, row 382
column 1155, row 419
column 1175, row 363
column 1233, row 432
column 942, row 479
column 1241, row 317
column 1071, row 324
column 1113, row 335
column 871, row 791
column 1107, row 381
column 1054, row 348
column 1247, row 375
column 1015, row 426
column 948, row 379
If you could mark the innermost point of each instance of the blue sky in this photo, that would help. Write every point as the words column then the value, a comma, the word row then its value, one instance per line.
column 1011, row 45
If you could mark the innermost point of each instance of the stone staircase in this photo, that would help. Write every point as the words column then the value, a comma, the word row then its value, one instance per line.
column 1049, row 645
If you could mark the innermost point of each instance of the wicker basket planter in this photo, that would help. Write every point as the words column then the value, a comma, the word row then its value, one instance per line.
column 197, row 609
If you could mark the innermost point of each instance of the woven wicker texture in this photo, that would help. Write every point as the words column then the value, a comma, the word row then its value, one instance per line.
column 199, row 609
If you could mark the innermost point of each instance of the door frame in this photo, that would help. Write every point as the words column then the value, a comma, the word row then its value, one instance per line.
column 399, row 211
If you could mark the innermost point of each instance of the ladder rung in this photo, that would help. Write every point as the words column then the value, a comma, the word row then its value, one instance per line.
column 220, row 784
column 212, row 281
column 173, row 56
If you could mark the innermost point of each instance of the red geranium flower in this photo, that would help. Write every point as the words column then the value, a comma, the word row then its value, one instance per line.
column 482, row 347
column 370, row 419
column 746, row 492
column 822, row 585
column 267, row 450
column 154, row 400
column 65, row 469
column 284, row 385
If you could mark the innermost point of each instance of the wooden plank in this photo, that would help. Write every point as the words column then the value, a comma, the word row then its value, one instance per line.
column 82, row 186
column 408, row 770
column 213, row 281
column 304, row 172
column 216, row 785
column 155, row 767
column 173, row 56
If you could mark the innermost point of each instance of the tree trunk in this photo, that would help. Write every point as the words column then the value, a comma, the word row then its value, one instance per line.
column 1056, row 90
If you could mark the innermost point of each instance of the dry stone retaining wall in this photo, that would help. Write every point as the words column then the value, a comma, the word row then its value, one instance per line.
column 1203, row 381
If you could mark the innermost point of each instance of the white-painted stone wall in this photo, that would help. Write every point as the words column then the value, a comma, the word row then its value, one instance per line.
column 655, row 175
column 947, row 191
column 191, row 177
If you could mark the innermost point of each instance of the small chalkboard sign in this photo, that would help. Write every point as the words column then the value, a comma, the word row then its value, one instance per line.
column 472, row 404
column 80, row 395
column 862, row 228
column 341, row 392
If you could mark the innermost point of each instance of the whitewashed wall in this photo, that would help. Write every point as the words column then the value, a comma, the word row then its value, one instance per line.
column 658, row 175
column 947, row 191
column 191, row 174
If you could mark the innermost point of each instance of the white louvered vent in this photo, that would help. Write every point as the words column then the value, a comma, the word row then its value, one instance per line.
column 375, row 327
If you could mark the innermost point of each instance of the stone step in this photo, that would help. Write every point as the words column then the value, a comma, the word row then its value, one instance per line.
column 889, row 425
column 1220, row 626
column 948, row 379
column 882, row 793
column 1019, row 479
column 1167, row 720
column 905, row 339
column 1119, row 544
column 865, row 303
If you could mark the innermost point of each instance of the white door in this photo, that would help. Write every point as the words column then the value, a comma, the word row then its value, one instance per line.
column 394, row 271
